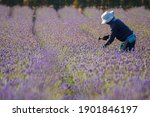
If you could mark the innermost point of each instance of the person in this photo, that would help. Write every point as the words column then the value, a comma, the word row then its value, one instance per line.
column 119, row 30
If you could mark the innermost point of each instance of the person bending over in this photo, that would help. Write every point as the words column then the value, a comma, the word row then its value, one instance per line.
column 119, row 31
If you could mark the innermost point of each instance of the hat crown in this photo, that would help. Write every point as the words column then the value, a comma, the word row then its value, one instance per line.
column 107, row 16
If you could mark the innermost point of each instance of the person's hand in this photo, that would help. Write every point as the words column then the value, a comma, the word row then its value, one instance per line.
column 99, row 38
column 103, row 46
column 105, row 37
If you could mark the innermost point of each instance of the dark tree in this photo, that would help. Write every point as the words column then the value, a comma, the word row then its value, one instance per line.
column 146, row 3
column 83, row 3
column 69, row 2
column 12, row 3
column 49, row 2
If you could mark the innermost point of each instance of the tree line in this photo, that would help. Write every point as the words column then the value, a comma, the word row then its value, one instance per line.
column 79, row 3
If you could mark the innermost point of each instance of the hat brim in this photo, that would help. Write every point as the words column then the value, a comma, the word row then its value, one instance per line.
column 108, row 20
column 103, row 22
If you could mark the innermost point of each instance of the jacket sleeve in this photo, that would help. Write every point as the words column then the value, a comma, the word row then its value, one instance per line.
column 112, row 36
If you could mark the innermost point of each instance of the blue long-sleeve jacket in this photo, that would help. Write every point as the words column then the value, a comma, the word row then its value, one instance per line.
column 119, row 31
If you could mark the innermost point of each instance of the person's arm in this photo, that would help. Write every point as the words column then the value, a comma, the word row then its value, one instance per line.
column 112, row 37
column 104, row 38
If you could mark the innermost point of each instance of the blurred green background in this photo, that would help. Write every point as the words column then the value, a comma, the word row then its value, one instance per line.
column 102, row 4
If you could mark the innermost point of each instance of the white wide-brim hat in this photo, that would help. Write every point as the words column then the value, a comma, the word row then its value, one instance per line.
column 107, row 16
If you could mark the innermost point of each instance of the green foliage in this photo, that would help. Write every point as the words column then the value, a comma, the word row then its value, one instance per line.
column 125, row 4
column 12, row 2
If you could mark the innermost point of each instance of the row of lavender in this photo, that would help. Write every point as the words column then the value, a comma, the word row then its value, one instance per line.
column 64, row 59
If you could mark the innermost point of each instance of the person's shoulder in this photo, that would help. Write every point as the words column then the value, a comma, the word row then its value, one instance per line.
column 119, row 21
column 114, row 23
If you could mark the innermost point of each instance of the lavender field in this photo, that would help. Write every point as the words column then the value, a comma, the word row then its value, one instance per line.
column 64, row 59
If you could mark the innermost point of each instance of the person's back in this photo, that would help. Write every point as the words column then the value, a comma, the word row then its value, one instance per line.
column 122, row 30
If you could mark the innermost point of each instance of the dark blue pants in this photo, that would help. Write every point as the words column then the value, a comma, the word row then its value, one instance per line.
column 127, row 46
